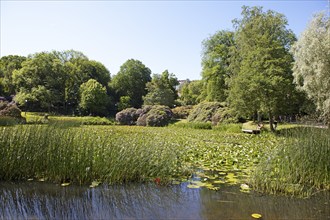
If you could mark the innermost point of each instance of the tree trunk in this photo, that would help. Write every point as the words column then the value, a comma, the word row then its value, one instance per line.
column 271, row 121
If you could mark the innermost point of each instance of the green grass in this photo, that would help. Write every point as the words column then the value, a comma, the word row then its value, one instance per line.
column 39, row 118
column 299, row 166
column 116, row 154
column 193, row 125
column 291, row 161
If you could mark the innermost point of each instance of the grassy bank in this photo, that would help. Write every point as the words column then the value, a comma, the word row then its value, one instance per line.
column 44, row 118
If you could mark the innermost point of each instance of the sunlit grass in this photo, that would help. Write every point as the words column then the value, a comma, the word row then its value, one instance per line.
column 299, row 166
column 81, row 154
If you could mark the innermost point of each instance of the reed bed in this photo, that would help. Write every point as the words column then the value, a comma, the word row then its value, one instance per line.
column 84, row 154
column 299, row 166
column 117, row 154
column 295, row 161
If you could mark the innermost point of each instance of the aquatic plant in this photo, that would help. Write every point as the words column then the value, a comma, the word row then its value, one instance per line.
column 299, row 166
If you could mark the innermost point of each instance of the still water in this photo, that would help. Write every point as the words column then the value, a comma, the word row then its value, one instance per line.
column 149, row 201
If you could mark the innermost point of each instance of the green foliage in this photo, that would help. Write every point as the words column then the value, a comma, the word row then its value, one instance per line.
column 182, row 112
column 228, row 128
column 80, row 70
column 84, row 154
column 193, row 125
column 10, row 114
column 263, row 81
column 127, row 116
column 157, row 116
column 69, row 121
column 215, row 64
column 190, row 92
column 131, row 81
column 161, row 90
column 312, row 63
column 225, row 115
column 93, row 97
column 7, row 66
column 42, row 77
column 124, row 102
column 49, row 81
column 119, row 154
column 204, row 111
column 299, row 166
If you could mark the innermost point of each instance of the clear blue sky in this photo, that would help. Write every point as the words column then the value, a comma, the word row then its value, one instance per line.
column 161, row 34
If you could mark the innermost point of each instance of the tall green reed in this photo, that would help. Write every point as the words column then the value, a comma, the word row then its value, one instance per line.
column 299, row 166
column 83, row 154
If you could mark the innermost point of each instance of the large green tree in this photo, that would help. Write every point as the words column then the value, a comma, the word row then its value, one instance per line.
column 131, row 81
column 312, row 63
column 263, row 82
column 190, row 92
column 79, row 70
column 216, row 57
column 93, row 97
column 7, row 66
column 41, row 72
column 162, row 90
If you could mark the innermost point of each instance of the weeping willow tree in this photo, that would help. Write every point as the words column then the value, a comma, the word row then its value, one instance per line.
column 312, row 63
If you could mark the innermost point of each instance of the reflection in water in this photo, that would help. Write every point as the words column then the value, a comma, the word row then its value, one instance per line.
column 149, row 201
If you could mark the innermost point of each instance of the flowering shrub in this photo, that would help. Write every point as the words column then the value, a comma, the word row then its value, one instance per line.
column 127, row 116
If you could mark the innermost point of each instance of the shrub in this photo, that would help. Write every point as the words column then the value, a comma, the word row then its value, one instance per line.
column 225, row 115
column 193, row 125
column 204, row 111
column 182, row 112
column 159, row 116
column 10, row 114
column 3, row 105
column 156, row 116
column 11, row 110
column 127, row 116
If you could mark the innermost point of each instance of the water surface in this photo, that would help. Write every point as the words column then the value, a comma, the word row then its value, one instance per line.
column 31, row 200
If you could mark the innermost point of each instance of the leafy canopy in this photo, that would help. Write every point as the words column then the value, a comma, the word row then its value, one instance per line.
column 312, row 63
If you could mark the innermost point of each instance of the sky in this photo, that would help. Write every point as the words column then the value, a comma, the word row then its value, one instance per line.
column 163, row 35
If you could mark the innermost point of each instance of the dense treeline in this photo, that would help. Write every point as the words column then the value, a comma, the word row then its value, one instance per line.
column 258, row 69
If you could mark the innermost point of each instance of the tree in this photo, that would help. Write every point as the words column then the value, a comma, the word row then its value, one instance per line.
column 41, row 72
column 7, row 66
column 93, row 97
column 190, row 92
column 161, row 90
column 215, row 63
column 312, row 63
column 131, row 81
column 79, row 71
column 263, row 82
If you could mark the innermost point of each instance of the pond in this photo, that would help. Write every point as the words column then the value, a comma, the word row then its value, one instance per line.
column 36, row 200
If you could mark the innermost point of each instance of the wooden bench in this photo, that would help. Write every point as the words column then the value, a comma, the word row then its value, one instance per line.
column 251, row 131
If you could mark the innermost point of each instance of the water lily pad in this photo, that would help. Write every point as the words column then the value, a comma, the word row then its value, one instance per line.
column 175, row 182
column 245, row 188
column 256, row 215
column 231, row 178
column 95, row 184
column 65, row 184
column 218, row 182
column 191, row 186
